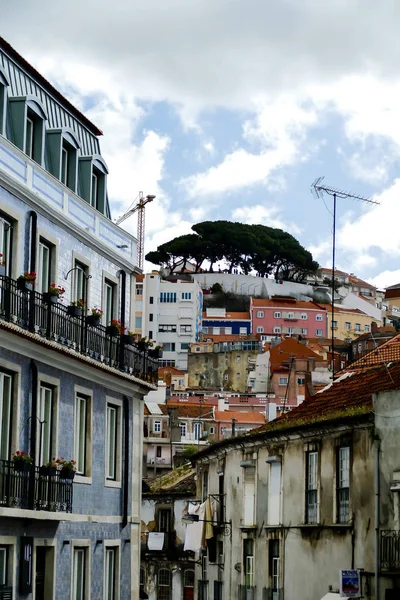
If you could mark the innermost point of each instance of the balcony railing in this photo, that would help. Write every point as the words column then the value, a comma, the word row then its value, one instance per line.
column 6, row 592
column 390, row 550
column 33, row 490
column 29, row 310
column 247, row 592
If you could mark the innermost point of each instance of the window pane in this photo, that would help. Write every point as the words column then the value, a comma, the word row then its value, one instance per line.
column 5, row 414
column 108, row 303
column 29, row 138
column 109, row 583
column 64, row 166
column 111, row 432
column 3, row 566
column 79, row 574
column 80, row 281
column 6, row 244
column 44, row 265
column 80, row 432
column 45, row 424
column 94, row 191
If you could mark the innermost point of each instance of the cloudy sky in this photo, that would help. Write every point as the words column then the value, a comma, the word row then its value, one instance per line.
column 231, row 108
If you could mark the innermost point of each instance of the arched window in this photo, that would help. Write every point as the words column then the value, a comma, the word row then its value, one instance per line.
column 188, row 584
column 164, row 585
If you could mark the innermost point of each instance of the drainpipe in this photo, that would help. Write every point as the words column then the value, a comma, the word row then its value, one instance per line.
column 377, row 515
column 32, row 265
column 34, row 376
column 125, row 484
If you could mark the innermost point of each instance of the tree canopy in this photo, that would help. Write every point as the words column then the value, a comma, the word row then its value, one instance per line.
column 266, row 250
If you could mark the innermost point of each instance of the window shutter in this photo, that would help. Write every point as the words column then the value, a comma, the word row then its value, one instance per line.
column 25, row 566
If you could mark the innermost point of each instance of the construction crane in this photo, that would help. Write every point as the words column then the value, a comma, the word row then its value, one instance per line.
column 139, row 207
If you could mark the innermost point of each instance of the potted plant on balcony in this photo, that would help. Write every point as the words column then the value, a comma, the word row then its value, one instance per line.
column 76, row 308
column 2, row 265
column 25, row 281
column 128, row 338
column 53, row 294
column 49, row 469
column 94, row 318
column 67, row 468
column 156, row 352
column 21, row 461
column 115, row 329
column 144, row 343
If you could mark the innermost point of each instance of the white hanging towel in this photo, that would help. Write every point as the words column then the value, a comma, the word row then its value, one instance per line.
column 194, row 537
column 155, row 540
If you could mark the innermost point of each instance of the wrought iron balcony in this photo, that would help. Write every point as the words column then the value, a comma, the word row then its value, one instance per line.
column 32, row 311
column 6, row 592
column 390, row 550
column 32, row 489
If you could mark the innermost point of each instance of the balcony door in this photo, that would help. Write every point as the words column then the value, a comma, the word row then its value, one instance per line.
column 188, row 584
column 5, row 415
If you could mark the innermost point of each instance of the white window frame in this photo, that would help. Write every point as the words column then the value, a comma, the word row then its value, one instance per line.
column 260, row 329
column 183, row 428
column 113, row 479
column 312, row 475
column 242, row 330
column 7, row 382
column 277, row 330
column 197, row 431
column 319, row 332
column 260, row 314
column 357, row 327
column 45, row 265
column 367, row 328
column 7, row 228
column 347, row 325
column 283, row 380
column 304, row 316
column 77, row 546
column 29, row 137
column 304, row 331
column 46, row 427
column 86, row 476
column 319, row 317
column 64, row 165
column 157, row 426
column 277, row 315
column 113, row 546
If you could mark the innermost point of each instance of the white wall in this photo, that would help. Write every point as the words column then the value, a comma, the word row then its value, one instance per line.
column 354, row 301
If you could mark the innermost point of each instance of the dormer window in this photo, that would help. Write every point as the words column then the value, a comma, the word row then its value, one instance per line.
column 63, row 156
column 28, row 120
column 3, row 100
column 93, row 181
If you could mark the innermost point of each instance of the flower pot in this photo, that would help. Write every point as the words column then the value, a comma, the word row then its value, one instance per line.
column 48, row 471
column 22, row 465
column 24, row 285
column 141, row 346
column 127, row 339
column 93, row 320
column 67, row 473
column 112, row 330
column 155, row 353
column 50, row 298
column 74, row 311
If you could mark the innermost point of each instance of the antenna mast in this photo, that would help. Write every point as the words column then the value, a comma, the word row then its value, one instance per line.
column 318, row 189
column 139, row 207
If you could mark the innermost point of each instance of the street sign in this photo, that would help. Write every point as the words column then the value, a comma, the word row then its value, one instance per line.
column 350, row 583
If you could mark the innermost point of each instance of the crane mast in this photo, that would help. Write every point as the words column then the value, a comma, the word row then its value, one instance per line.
column 139, row 207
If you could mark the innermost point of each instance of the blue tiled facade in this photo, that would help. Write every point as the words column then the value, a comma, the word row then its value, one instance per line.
column 46, row 520
column 236, row 325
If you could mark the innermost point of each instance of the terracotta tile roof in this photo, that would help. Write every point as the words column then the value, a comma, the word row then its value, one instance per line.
column 383, row 355
column 276, row 302
column 238, row 316
column 290, row 348
column 241, row 417
column 190, row 411
column 162, row 371
column 329, row 270
column 344, row 309
column 358, row 281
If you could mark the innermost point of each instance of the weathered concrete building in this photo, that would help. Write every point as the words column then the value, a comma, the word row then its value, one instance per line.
column 223, row 366
column 311, row 493
column 167, row 571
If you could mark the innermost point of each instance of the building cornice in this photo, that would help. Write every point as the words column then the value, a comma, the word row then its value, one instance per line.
column 33, row 346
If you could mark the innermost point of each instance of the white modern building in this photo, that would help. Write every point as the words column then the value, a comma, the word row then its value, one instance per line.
column 171, row 315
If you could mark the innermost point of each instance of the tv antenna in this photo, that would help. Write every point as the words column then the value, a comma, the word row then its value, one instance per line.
column 318, row 189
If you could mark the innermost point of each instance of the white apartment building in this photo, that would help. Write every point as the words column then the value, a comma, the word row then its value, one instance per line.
column 171, row 315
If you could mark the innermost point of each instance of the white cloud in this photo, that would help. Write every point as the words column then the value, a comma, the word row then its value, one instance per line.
column 269, row 216
column 386, row 278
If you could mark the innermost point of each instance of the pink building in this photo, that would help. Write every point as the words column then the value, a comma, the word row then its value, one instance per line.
column 287, row 316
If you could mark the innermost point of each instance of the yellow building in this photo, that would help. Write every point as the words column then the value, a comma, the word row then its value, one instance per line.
column 349, row 323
